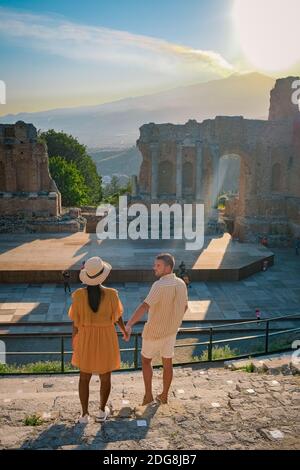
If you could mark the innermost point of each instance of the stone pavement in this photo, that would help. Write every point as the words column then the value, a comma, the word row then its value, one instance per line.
column 208, row 409
column 276, row 292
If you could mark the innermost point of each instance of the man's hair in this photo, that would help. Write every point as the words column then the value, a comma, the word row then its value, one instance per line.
column 168, row 259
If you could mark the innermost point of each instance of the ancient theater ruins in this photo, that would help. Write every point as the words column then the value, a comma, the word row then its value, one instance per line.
column 183, row 163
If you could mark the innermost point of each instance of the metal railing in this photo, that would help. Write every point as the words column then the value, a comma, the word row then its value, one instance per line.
column 266, row 334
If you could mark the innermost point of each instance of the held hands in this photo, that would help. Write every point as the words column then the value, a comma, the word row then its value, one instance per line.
column 128, row 331
column 126, row 336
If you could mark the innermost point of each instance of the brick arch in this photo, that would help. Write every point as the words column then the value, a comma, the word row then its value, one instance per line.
column 187, row 178
column 166, row 175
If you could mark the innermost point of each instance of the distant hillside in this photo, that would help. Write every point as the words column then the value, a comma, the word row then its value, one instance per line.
column 122, row 162
column 117, row 124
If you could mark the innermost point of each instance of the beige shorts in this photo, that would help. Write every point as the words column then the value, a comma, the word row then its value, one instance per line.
column 164, row 347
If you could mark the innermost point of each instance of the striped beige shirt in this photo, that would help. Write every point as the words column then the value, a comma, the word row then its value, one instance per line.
column 167, row 300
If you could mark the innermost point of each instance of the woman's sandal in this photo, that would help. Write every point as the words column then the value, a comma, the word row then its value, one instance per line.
column 103, row 415
column 84, row 419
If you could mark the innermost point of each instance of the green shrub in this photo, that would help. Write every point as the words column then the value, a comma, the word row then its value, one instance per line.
column 224, row 352
column 33, row 420
column 248, row 368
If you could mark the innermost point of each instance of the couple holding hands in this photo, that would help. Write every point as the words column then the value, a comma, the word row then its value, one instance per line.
column 95, row 310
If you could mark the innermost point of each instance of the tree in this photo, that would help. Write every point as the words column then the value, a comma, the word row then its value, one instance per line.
column 113, row 187
column 113, row 191
column 64, row 145
column 69, row 181
column 67, row 147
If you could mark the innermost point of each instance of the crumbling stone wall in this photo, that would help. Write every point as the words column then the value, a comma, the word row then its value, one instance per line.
column 25, row 181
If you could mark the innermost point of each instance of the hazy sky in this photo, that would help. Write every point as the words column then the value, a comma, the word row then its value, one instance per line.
column 62, row 53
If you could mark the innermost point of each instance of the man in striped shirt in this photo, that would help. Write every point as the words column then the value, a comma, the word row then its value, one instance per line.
column 166, row 305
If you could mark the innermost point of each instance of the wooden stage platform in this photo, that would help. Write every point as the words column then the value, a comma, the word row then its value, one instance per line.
column 38, row 258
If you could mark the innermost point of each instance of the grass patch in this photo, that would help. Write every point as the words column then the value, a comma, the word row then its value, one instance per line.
column 248, row 368
column 35, row 367
column 224, row 352
column 43, row 367
column 127, row 365
column 33, row 420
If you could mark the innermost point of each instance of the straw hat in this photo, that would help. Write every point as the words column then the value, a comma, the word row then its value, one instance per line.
column 95, row 271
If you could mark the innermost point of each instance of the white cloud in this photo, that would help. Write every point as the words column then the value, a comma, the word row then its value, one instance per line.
column 88, row 43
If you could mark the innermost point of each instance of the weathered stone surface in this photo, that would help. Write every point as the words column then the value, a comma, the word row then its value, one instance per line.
column 244, row 422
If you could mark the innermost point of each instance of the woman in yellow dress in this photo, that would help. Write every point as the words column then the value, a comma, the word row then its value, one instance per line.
column 95, row 309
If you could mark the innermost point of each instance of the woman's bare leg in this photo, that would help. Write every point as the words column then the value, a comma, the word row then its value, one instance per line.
column 105, row 381
column 84, row 382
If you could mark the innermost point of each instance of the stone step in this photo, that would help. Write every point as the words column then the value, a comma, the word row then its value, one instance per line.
column 285, row 363
column 208, row 408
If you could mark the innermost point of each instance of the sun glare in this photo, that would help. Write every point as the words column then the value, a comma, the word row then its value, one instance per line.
column 268, row 32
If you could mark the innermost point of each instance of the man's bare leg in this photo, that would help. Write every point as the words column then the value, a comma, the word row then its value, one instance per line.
column 147, row 375
column 167, row 379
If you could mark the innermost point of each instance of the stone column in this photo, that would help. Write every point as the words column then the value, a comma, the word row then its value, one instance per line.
column 154, row 170
column 199, row 170
column 215, row 153
column 179, row 147
column 134, row 186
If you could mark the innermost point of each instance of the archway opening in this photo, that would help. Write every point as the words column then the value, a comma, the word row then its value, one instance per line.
column 228, row 184
column 228, row 187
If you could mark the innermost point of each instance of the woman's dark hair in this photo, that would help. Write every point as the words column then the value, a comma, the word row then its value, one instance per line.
column 94, row 296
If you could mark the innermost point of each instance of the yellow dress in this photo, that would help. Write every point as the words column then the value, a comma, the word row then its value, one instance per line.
column 96, row 346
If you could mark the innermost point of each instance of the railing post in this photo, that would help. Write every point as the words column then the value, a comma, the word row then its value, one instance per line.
column 136, row 347
column 62, row 352
column 210, row 344
column 267, row 338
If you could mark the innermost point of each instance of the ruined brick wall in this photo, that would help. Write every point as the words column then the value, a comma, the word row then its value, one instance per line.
column 281, row 105
column 25, row 181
